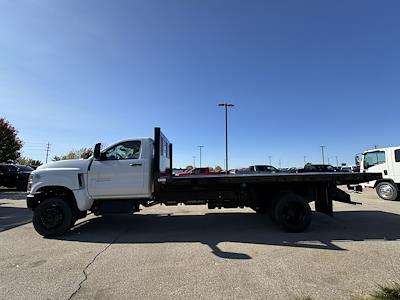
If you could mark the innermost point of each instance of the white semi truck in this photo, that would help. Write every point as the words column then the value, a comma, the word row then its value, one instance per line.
column 387, row 162
column 136, row 173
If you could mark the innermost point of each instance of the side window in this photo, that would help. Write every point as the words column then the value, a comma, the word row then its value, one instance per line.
column 196, row 171
column 397, row 155
column 374, row 158
column 125, row 150
column 11, row 169
column 203, row 171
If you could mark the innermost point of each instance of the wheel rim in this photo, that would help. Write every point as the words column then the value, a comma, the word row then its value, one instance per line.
column 52, row 217
column 293, row 213
column 386, row 191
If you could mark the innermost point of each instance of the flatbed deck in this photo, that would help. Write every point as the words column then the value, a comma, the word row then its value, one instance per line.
column 339, row 178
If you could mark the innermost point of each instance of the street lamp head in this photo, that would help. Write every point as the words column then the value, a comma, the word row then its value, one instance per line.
column 226, row 104
column 221, row 104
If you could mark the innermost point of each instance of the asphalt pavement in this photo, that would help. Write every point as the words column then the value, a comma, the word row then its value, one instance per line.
column 192, row 252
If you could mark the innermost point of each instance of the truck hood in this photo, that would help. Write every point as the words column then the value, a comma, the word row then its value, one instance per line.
column 80, row 164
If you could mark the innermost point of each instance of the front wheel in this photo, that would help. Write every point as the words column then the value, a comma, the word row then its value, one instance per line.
column 387, row 191
column 52, row 217
column 292, row 213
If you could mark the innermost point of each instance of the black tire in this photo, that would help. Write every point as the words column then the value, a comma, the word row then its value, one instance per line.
column 292, row 213
column 52, row 217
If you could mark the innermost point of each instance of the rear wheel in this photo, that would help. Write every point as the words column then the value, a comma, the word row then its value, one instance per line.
column 387, row 191
column 292, row 213
column 52, row 217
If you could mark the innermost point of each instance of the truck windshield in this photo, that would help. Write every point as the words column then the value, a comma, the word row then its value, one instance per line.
column 373, row 159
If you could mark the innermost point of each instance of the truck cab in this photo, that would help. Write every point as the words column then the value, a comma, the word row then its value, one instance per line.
column 387, row 162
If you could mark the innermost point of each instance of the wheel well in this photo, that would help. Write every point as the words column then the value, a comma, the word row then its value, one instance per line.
column 385, row 180
column 57, row 191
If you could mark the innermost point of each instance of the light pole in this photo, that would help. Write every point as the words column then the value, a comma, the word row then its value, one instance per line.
column 305, row 158
column 337, row 162
column 269, row 158
column 200, row 153
column 194, row 161
column 323, row 157
column 226, row 105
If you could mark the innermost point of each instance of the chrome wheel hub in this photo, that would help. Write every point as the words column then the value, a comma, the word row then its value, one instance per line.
column 386, row 191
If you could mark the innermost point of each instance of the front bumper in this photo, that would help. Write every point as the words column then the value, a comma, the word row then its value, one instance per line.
column 32, row 200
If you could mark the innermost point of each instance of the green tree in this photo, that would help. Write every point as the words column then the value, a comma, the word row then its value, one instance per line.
column 10, row 144
column 28, row 161
column 75, row 154
column 217, row 169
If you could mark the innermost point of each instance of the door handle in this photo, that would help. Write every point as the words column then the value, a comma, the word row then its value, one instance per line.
column 385, row 172
column 135, row 165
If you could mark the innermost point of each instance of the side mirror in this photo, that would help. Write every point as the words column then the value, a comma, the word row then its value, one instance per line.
column 96, row 151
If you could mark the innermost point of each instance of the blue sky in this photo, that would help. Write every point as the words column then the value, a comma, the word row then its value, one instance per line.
column 300, row 73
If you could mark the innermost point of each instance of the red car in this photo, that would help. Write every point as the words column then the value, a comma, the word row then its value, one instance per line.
column 199, row 171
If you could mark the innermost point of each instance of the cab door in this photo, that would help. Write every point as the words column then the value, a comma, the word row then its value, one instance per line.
column 376, row 162
column 119, row 173
column 396, row 166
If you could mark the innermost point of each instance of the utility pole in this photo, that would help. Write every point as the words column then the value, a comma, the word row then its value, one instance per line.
column 194, row 161
column 323, row 157
column 269, row 157
column 47, row 151
column 279, row 164
column 226, row 105
column 305, row 158
column 200, row 153
column 337, row 161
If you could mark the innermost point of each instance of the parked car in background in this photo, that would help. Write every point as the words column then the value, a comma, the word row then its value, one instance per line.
column 350, row 169
column 15, row 176
column 317, row 168
column 199, row 171
column 263, row 169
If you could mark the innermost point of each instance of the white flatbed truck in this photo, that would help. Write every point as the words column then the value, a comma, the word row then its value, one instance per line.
column 137, row 173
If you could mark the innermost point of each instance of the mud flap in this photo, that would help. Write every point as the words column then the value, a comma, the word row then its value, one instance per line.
column 323, row 200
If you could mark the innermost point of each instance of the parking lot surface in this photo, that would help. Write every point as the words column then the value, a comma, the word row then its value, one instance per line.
column 192, row 252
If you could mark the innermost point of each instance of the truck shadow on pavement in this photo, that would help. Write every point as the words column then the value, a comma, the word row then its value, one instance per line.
column 11, row 217
column 214, row 228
